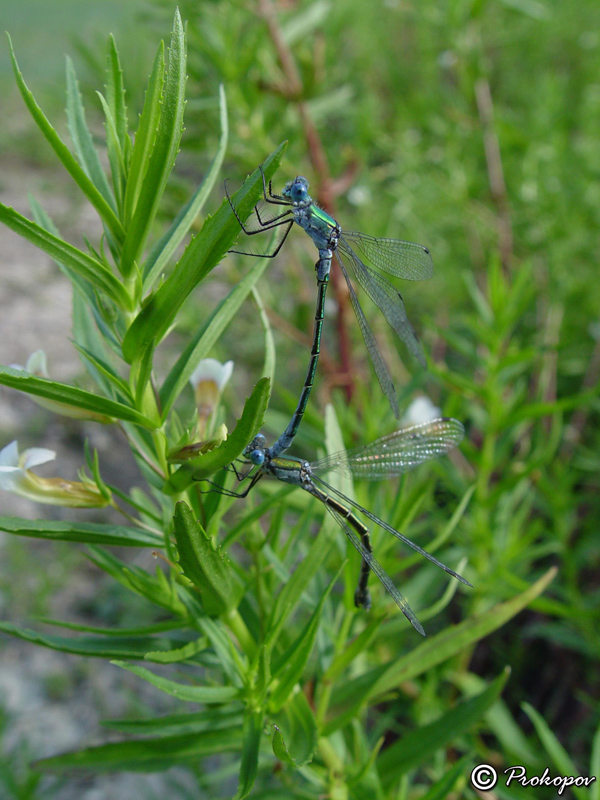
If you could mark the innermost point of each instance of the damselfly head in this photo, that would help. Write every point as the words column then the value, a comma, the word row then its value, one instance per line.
column 297, row 190
column 255, row 451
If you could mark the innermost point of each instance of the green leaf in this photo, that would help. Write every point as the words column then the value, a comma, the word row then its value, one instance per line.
column 247, row 427
column 116, row 157
column 557, row 753
column 82, row 138
column 70, row 395
column 290, row 595
column 269, row 365
column 133, row 647
column 418, row 746
column 145, row 134
column 295, row 732
column 179, row 653
column 163, row 250
column 201, row 255
column 104, row 369
column 434, row 650
column 115, row 93
column 289, row 667
column 175, row 724
column 164, row 152
column 68, row 160
column 157, row 589
column 359, row 644
column 81, row 263
column 190, row 694
column 89, row 532
column 209, row 333
column 442, row 789
column 207, row 567
column 146, row 755
column 252, row 732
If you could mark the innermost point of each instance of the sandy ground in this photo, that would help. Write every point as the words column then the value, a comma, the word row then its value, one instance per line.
column 35, row 303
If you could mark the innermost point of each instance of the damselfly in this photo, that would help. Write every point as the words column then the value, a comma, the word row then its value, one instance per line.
column 388, row 457
column 393, row 256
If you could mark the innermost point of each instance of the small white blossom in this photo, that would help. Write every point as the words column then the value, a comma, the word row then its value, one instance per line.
column 421, row 410
column 37, row 364
column 16, row 477
column 209, row 379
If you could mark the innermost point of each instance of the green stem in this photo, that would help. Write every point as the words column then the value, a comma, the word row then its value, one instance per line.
column 238, row 627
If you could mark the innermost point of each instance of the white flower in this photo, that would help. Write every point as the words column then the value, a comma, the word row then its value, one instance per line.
column 421, row 410
column 209, row 379
column 16, row 477
column 37, row 364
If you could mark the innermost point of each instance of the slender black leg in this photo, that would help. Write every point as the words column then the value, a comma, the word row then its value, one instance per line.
column 228, row 492
column 277, row 249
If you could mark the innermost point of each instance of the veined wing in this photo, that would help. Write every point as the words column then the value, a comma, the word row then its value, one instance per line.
column 398, row 452
column 387, row 298
column 381, row 370
column 406, row 260
column 393, row 531
column 376, row 567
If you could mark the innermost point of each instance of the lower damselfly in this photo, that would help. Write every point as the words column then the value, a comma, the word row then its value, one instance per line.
column 388, row 457
column 393, row 256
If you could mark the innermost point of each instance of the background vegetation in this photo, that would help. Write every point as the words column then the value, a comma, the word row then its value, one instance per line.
column 470, row 127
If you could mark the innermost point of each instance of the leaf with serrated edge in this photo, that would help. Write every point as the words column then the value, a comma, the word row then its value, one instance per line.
column 191, row 694
column 68, row 160
column 71, row 395
column 247, row 427
column 89, row 532
column 167, row 244
column 202, row 254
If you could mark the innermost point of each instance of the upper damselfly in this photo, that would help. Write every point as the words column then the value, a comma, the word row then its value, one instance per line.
column 393, row 256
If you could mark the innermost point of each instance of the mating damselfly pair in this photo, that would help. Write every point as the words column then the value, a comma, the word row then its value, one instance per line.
column 390, row 456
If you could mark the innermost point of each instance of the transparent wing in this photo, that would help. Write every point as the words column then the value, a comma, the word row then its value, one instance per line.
column 376, row 567
column 393, row 531
column 406, row 260
column 381, row 370
column 389, row 301
column 398, row 452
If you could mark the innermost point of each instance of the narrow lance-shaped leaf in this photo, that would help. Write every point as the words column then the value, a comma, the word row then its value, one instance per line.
column 89, row 532
column 83, row 264
column 207, row 567
column 134, row 647
column 163, row 154
column 252, row 732
column 146, row 755
column 209, row 333
column 435, row 650
column 95, row 197
column 295, row 732
column 418, row 746
column 247, row 427
column 82, row 138
column 184, row 691
column 70, row 395
column 290, row 667
column 159, row 256
column 201, row 255
column 115, row 91
column 116, row 156
column 146, row 133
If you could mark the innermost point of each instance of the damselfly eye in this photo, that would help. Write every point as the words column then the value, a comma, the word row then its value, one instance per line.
column 257, row 457
column 299, row 191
